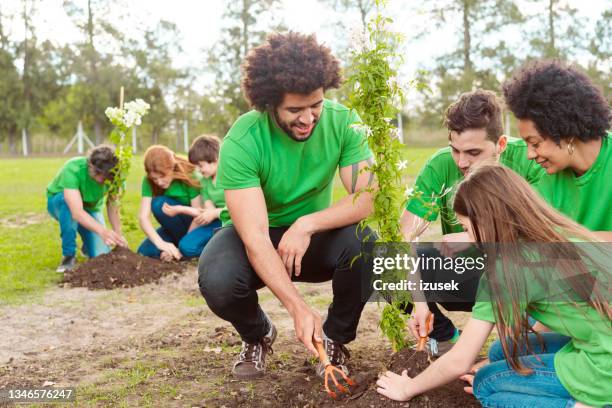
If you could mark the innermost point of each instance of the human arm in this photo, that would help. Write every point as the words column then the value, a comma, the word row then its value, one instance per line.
column 112, row 210
column 208, row 214
column 197, row 206
column 74, row 201
column 174, row 210
column 449, row 367
column 247, row 208
column 353, row 208
column 604, row 236
column 144, row 219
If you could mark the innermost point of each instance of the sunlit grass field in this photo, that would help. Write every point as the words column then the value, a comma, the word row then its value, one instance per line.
column 29, row 238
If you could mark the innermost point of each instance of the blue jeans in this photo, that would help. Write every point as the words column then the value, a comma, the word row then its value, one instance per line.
column 174, row 230
column 93, row 245
column 497, row 385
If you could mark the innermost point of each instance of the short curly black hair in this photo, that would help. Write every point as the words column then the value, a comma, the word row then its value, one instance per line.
column 559, row 99
column 287, row 63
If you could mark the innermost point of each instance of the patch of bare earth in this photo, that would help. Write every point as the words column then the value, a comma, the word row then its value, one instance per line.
column 159, row 345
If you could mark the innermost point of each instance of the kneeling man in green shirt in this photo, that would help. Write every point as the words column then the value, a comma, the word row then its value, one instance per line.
column 277, row 166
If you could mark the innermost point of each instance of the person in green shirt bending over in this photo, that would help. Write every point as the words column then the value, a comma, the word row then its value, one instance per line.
column 564, row 118
column 277, row 166
column 537, row 272
column 475, row 134
column 204, row 154
column 75, row 198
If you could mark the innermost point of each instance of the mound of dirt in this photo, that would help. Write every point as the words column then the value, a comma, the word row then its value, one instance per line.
column 120, row 268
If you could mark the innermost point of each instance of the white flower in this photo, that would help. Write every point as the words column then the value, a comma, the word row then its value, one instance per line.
column 114, row 114
column 402, row 164
column 409, row 191
column 362, row 127
column 131, row 118
column 138, row 106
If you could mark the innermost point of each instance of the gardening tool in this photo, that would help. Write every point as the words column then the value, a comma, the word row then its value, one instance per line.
column 423, row 340
column 330, row 371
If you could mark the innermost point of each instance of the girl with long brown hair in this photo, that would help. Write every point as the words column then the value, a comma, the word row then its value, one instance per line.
column 540, row 264
column 169, row 180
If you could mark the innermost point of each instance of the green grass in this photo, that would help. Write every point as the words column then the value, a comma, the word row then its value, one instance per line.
column 29, row 238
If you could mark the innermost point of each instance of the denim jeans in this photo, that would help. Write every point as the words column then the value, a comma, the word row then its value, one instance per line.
column 229, row 284
column 93, row 245
column 174, row 230
column 497, row 385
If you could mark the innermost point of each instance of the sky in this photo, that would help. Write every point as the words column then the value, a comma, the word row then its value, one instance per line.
column 200, row 23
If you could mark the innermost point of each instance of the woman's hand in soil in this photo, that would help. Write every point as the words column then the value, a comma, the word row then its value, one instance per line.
column 395, row 386
column 170, row 249
column 418, row 320
column 293, row 246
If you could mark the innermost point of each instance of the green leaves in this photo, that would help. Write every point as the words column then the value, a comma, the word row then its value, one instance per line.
column 378, row 97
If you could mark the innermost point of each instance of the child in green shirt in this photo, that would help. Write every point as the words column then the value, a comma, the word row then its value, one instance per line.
column 204, row 155
column 570, row 367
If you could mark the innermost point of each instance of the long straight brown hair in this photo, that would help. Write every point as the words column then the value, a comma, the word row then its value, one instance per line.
column 505, row 211
column 162, row 160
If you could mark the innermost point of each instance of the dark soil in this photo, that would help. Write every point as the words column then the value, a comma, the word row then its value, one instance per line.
column 300, row 387
column 120, row 268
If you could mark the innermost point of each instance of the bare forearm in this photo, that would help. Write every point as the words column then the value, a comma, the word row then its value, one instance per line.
column 605, row 236
column 440, row 372
column 345, row 212
column 113, row 218
column 147, row 228
column 187, row 210
column 269, row 267
column 83, row 218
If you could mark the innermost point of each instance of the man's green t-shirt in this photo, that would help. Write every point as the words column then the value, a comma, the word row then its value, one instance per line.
column 296, row 177
column 584, row 364
column 180, row 191
column 74, row 175
column 210, row 191
column 586, row 199
column 436, row 180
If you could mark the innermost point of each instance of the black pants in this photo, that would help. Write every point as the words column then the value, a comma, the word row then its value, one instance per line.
column 229, row 284
column 462, row 300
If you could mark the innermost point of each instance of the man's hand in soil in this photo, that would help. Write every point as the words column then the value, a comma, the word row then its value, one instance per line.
column 395, row 386
column 293, row 246
column 307, row 323
column 418, row 320
column 453, row 243
column 111, row 237
column 169, row 248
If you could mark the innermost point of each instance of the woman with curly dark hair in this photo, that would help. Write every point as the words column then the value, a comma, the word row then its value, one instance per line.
column 564, row 118
column 277, row 166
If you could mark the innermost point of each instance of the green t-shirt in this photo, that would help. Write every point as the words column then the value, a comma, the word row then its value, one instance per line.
column 584, row 364
column 181, row 192
column 74, row 175
column 585, row 199
column 296, row 177
column 210, row 191
column 441, row 174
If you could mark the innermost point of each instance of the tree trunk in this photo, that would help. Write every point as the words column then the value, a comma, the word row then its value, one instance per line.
column 12, row 141
column 551, row 27
column 467, row 39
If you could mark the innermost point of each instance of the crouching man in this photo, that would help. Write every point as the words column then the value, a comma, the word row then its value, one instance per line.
column 277, row 167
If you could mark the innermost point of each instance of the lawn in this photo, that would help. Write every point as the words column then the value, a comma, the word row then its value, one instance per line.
column 29, row 237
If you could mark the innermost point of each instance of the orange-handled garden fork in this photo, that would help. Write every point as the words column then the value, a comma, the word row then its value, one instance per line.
column 330, row 371
column 423, row 340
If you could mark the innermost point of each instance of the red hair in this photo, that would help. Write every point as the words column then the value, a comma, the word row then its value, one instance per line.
column 160, row 159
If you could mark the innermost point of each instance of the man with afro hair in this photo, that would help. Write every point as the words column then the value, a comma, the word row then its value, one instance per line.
column 277, row 166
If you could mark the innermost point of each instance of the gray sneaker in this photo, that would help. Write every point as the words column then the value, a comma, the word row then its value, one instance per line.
column 68, row 264
column 251, row 363
column 338, row 356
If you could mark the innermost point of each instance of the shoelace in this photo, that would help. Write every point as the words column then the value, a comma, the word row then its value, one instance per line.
column 253, row 351
column 337, row 352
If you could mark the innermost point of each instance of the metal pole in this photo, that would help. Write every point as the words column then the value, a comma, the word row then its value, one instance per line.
column 185, row 137
column 24, row 141
column 80, row 138
column 134, row 139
